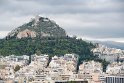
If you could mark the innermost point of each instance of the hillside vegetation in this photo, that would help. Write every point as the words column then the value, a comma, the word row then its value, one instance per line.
column 51, row 46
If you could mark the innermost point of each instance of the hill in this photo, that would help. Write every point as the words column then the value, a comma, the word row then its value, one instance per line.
column 43, row 36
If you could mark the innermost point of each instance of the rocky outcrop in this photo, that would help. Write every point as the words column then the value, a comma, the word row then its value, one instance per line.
column 26, row 33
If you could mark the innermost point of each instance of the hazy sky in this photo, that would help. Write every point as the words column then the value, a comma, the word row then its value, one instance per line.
column 90, row 19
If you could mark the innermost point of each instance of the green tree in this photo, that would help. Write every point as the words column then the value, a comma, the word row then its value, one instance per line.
column 17, row 68
column 38, row 52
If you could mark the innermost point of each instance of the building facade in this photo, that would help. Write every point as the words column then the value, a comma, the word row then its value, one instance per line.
column 115, row 79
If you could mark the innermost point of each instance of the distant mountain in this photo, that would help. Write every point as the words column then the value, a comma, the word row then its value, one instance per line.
column 38, row 27
column 112, row 44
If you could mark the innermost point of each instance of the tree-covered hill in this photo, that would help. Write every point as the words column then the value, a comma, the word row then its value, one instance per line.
column 43, row 36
